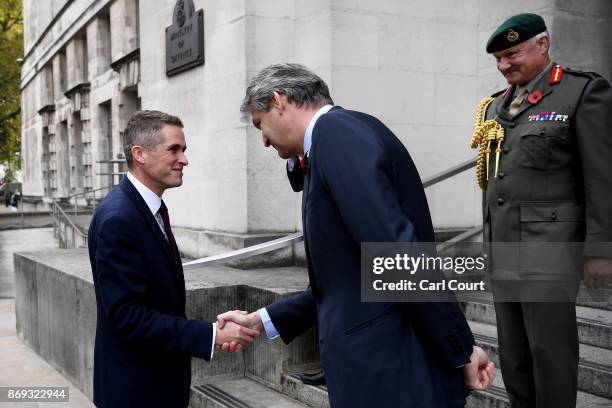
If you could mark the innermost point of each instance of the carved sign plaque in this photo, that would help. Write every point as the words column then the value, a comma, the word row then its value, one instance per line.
column 185, row 38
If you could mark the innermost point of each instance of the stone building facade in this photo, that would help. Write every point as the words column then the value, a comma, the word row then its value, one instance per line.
column 418, row 65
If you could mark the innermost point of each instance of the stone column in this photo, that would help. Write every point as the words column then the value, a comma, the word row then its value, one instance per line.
column 124, row 28
column 580, row 35
column 46, row 86
column 76, row 56
column 59, row 75
column 98, row 46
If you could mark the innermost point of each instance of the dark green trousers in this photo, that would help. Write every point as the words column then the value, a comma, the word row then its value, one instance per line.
column 538, row 350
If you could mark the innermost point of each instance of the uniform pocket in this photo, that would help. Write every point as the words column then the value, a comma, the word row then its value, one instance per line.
column 551, row 236
column 538, row 141
column 552, row 221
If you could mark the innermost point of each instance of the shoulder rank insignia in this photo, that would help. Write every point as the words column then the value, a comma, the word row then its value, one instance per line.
column 556, row 74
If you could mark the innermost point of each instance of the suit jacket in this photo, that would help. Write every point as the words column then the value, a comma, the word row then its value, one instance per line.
column 362, row 186
column 554, row 177
column 144, row 342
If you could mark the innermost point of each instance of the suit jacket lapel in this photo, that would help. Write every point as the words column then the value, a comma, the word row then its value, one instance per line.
column 181, row 276
column 142, row 207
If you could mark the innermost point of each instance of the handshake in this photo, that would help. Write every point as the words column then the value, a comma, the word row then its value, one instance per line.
column 237, row 329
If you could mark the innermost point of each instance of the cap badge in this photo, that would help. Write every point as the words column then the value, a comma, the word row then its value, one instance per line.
column 512, row 35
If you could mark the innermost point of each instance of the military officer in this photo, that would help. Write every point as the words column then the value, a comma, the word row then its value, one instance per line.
column 544, row 166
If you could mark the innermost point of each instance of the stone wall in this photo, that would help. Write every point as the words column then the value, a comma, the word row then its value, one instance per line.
column 56, row 315
column 419, row 66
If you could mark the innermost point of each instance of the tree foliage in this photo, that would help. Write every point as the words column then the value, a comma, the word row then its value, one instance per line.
column 11, row 52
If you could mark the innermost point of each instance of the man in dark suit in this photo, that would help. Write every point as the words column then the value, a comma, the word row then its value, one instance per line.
column 144, row 342
column 360, row 186
column 546, row 190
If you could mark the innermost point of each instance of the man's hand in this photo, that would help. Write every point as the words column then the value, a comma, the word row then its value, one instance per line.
column 234, row 335
column 597, row 273
column 479, row 373
column 242, row 318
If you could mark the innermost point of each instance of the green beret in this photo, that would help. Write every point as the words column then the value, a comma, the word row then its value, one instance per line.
column 515, row 30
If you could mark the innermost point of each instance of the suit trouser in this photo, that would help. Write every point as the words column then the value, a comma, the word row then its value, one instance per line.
column 538, row 351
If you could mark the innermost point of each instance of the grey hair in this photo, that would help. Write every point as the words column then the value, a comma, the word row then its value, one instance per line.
column 533, row 40
column 143, row 130
column 300, row 85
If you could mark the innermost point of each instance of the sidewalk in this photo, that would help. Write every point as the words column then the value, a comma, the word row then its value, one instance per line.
column 20, row 366
column 23, row 367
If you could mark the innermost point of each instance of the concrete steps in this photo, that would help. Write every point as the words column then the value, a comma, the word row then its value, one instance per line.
column 494, row 397
column 594, row 325
column 594, row 370
column 239, row 393
column 595, row 336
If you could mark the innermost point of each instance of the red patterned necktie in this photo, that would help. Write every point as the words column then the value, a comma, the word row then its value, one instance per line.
column 163, row 211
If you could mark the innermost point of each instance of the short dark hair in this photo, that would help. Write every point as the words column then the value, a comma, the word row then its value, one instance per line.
column 143, row 130
column 298, row 83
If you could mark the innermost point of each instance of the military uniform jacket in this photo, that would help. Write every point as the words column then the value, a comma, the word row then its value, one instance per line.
column 554, row 180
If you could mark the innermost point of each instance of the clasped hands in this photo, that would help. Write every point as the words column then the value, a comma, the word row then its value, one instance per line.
column 237, row 329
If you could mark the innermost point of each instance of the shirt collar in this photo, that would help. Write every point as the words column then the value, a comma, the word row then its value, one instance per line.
column 311, row 125
column 531, row 84
column 153, row 200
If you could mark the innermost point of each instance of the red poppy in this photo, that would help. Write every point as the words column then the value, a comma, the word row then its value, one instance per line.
column 535, row 97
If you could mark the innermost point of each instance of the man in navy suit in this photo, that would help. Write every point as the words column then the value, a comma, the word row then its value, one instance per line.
column 144, row 342
column 360, row 186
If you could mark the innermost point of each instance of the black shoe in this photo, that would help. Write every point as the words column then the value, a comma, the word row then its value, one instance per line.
column 316, row 378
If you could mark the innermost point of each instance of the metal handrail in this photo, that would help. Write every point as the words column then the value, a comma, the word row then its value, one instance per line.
column 65, row 216
column 57, row 209
column 299, row 236
column 85, row 193
column 464, row 236
column 246, row 252
column 448, row 173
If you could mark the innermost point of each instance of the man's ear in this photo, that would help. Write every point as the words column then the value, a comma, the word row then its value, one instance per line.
column 138, row 154
column 544, row 43
column 278, row 100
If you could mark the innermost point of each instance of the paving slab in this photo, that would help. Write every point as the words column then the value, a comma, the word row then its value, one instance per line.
column 22, row 367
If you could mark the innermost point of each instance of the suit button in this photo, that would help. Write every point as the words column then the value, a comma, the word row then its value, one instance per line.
column 505, row 150
column 501, row 175
column 554, row 216
column 512, row 126
column 500, row 201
